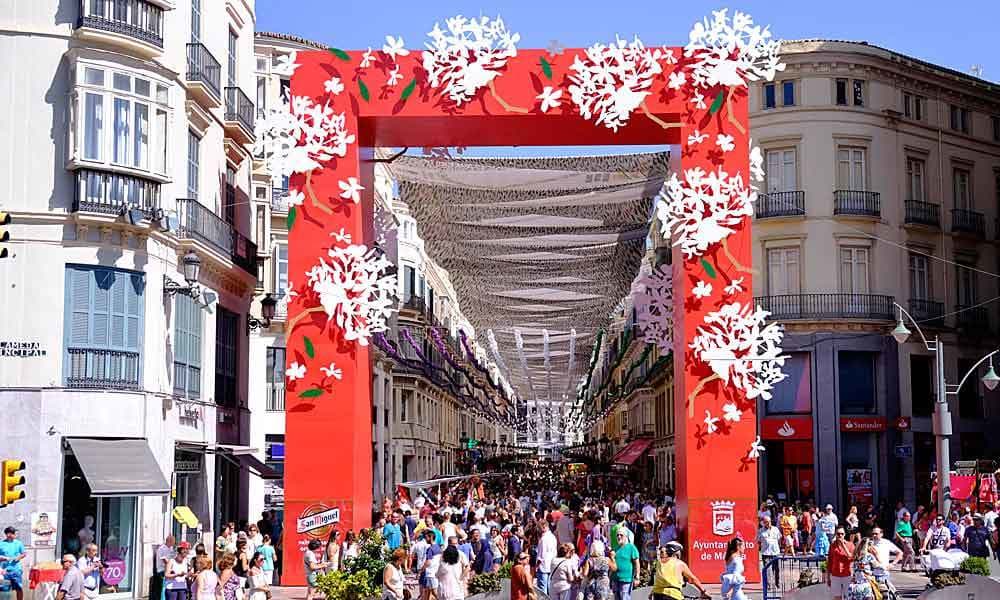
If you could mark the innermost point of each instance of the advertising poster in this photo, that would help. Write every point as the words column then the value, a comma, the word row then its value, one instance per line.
column 43, row 529
column 859, row 486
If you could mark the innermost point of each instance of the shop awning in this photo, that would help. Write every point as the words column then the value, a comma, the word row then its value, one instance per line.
column 632, row 452
column 119, row 467
column 254, row 465
column 184, row 516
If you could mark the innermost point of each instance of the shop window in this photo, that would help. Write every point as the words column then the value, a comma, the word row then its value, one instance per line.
column 856, row 376
column 793, row 394
column 970, row 402
column 922, row 385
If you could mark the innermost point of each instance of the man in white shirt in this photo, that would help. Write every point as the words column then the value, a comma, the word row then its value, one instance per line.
column 884, row 549
column 546, row 551
column 164, row 553
column 828, row 522
column 622, row 507
column 769, row 540
column 649, row 512
column 990, row 518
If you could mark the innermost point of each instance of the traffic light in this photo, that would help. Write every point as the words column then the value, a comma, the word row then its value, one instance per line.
column 11, row 479
column 4, row 234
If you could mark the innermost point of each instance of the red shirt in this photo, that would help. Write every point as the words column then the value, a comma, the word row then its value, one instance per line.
column 520, row 582
column 838, row 562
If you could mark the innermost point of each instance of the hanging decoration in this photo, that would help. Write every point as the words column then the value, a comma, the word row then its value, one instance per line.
column 654, row 303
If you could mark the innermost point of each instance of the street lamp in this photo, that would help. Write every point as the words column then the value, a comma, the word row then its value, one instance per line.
column 190, row 268
column 942, row 416
column 267, row 305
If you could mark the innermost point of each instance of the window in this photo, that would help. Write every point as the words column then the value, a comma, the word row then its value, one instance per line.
column 962, row 189
column 195, row 21
column 103, row 327
column 915, row 179
column 854, row 270
column 781, row 171
column 782, row 271
column 841, row 92
column 858, row 88
column 788, row 93
column 995, row 125
column 970, row 402
column 793, row 394
column 260, row 227
column 913, row 106
column 922, row 385
column 959, row 118
column 856, row 377
column 968, row 285
column 275, row 379
column 770, row 100
column 920, row 278
column 93, row 125
column 160, row 139
column 227, row 328
column 409, row 282
column 229, row 210
column 851, row 173
column 187, row 347
column 280, row 270
column 192, row 176
column 261, row 96
column 233, row 43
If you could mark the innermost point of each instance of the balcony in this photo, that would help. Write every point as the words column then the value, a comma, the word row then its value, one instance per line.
column 872, row 307
column 857, row 203
column 93, row 368
column 238, row 117
column 275, row 397
column 244, row 253
column 203, row 76
column 279, row 200
column 136, row 25
column 969, row 222
column 923, row 213
column 415, row 304
column 972, row 319
column 111, row 193
column 780, row 204
column 927, row 312
column 197, row 222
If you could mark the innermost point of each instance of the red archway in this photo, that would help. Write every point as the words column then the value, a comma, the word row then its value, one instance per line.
column 328, row 424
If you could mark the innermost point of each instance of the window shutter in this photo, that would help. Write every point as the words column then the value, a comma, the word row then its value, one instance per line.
column 103, row 282
column 79, row 302
column 194, row 349
column 134, row 287
column 118, row 317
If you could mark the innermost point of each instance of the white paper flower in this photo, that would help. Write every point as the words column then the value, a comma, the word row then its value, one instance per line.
column 550, row 98
column 290, row 289
column 285, row 64
column 699, row 101
column 394, row 47
column 295, row 198
column 468, row 56
column 349, row 190
column 341, row 236
column 711, row 423
column 702, row 289
column 696, row 138
column 676, row 80
column 333, row 85
column 654, row 307
column 367, row 58
column 725, row 142
column 742, row 349
column 300, row 136
column 703, row 209
column 731, row 413
column 756, row 165
column 295, row 371
column 730, row 53
column 755, row 449
column 354, row 290
column 735, row 287
column 668, row 55
column 394, row 76
column 612, row 81
column 332, row 371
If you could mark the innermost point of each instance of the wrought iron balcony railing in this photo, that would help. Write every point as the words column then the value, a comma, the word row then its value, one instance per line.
column 244, row 253
column 109, row 193
column 781, row 204
column 857, row 202
column 275, row 397
column 927, row 311
column 94, row 368
column 973, row 319
column 203, row 68
column 874, row 307
column 923, row 213
column 136, row 19
column 968, row 221
column 196, row 221
column 279, row 200
column 239, row 108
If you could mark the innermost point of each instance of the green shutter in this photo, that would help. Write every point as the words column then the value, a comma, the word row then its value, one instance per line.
column 103, row 282
column 79, row 302
column 118, row 317
column 195, row 317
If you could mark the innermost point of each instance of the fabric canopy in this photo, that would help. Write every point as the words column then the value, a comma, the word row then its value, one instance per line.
column 540, row 252
column 119, row 467
column 632, row 452
column 254, row 465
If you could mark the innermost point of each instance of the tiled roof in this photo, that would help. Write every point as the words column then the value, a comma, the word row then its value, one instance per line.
column 289, row 38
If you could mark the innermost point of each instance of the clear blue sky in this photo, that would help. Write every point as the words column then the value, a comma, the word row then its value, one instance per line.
column 955, row 34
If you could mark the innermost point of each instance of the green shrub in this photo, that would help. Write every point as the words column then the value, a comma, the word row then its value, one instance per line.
column 371, row 560
column 942, row 579
column 338, row 585
column 484, row 583
column 976, row 566
column 504, row 570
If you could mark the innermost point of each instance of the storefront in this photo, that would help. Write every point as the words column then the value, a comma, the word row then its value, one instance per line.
column 788, row 458
column 191, row 502
column 102, row 484
column 860, row 440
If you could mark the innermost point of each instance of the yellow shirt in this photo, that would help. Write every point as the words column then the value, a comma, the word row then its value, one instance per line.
column 667, row 579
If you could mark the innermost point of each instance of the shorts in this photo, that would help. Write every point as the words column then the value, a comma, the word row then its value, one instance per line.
column 838, row 585
column 14, row 578
column 311, row 579
column 426, row 581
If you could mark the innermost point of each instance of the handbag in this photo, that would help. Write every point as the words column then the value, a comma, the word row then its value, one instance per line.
column 876, row 590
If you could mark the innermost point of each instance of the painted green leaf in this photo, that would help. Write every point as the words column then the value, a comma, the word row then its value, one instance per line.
column 339, row 53
column 546, row 68
column 364, row 90
column 290, row 219
column 311, row 352
column 312, row 393
column 708, row 268
column 408, row 90
column 717, row 103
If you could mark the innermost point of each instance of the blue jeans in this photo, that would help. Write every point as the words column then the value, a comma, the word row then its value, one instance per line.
column 623, row 590
column 542, row 582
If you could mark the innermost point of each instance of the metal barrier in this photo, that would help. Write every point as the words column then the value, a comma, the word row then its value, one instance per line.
column 785, row 574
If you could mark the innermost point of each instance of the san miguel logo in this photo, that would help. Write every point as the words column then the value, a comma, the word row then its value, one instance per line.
column 317, row 520
column 723, row 520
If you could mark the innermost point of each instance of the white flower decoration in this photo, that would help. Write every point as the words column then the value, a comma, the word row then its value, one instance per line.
column 301, row 136
column 676, row 80
column 614, row 80
column 702, row 210
column 755, row 449
column 295, row 371
column 742, row 349
column 550, row 98
column 735, row 287
column 696, row 138
column 702, row 289
column 730, row 53
column 731, row 413
column 711, row 423
column 394, row 76
column 367, row 58
column 699, row 101
column 668, row 55
column 468, row 56
column 349, row 190
column 756, row 165
column 285, row 64
column 342, row 236
column 333, row 85
column 332, row 371
column 654, row 304
column 290, row 290
column 725, row 142
column 295, row 198
column 354, row 291
column 394, row 47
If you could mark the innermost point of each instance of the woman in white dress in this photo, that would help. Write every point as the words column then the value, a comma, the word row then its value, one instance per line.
column 206, row 582
column 256, row 580
column 451, row 575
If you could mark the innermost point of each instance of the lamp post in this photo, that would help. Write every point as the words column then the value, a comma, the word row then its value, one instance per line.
column 267, row 306
column 942, row 416
column 191, row 269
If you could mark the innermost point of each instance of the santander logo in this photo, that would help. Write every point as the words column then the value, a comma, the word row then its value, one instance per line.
column 786, row 430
